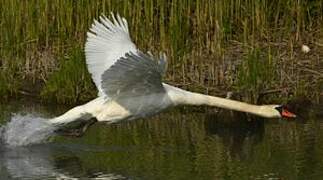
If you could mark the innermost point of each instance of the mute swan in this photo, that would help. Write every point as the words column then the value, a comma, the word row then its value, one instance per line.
column 129, row 82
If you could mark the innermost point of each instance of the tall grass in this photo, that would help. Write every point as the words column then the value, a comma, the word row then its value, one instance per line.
column 71, row 83
column 256, row 73
column 206, row 41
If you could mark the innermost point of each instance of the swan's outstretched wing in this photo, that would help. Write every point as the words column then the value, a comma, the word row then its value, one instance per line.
column 134, row 75
column 107, row 41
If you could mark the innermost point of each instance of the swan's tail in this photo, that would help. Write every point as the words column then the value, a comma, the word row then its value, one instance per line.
column 84, row 112
column 77, row 113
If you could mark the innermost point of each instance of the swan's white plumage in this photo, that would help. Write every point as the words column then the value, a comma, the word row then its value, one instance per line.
column 107, row 42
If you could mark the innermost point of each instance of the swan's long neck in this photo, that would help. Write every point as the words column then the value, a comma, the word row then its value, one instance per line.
column 180, row 96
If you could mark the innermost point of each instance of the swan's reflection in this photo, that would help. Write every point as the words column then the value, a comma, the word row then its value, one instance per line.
column 238, row 132
column 45, row 162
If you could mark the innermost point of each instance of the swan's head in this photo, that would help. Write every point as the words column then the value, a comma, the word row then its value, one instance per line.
column 284, row 112
column 276, row 111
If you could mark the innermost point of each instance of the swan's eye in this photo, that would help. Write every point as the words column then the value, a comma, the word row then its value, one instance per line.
column 279, row 108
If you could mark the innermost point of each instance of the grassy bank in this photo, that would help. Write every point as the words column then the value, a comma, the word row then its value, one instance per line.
column 251, row 47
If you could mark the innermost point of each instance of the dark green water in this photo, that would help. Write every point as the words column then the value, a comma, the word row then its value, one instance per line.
column 183, row 143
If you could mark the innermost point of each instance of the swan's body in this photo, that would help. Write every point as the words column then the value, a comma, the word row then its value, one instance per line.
column 130, row 82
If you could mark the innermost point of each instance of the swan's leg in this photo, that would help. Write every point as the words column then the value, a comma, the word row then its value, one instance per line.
column 77, row 131
column 83, row 114
column 78, row 113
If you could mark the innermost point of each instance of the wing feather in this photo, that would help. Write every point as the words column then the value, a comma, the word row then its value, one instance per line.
column 135, row 83
column 107, row 42
column 134, row 75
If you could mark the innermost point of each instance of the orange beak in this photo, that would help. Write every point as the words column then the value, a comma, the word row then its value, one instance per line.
column 287, row 114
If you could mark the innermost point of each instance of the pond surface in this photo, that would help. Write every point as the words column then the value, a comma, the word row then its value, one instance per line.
column 182, row 143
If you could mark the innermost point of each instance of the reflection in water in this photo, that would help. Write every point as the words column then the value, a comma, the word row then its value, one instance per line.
column 306, row 163
column 177, row 145
column 43, row 162
column 238, row 134
column 26, row 162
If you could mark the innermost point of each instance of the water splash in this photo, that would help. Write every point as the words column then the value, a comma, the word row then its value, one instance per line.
column 27, row 129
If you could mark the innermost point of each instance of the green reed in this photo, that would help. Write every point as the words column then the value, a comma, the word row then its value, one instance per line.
column 255, row 74
column 201, row 38
column 71, row 83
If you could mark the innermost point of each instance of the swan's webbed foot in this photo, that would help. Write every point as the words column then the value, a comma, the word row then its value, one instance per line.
column 78, row 131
